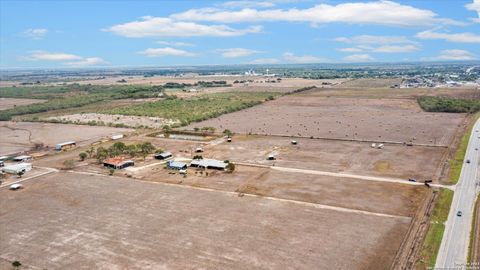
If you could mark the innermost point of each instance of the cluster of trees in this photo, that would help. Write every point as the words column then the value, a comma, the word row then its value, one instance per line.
column 449, row 104
column 195, row 109
column 170, row 85
column 71, row 96
column 119, row 149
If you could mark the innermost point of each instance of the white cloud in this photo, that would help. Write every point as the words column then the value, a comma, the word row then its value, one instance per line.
column 351, row 49
column 247, row 4
column 66, row 58
column 175, row 44
column 305, row 59
column 163, row 27
column 382, row 44
column 51, row 56
column 457, row 37
column 358, row 58
column 379, row 12
column 396, row 48
column 90, row 61
column 36, row 33
column 453, row 54
column 167, row 51
column 265, row 61
column 369, row 39
column 475, row 6
column 237, row 52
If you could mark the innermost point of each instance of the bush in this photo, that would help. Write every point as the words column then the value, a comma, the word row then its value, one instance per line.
column 82, row 156
column 448, row 104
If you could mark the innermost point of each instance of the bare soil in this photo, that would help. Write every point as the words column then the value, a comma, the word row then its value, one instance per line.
column 130, row 121
column 22, row 136
column 306, row 115
column 67, row 220
column 8, row 103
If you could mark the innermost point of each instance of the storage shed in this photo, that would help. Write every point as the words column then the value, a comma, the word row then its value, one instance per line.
column 22, row 158
column 17, row 168
column 117, row 163
column 163, row 155
column 175, row 165
column 208, row 164
column 65, row 145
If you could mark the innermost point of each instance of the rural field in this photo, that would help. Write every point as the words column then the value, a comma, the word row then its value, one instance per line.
column 23, row 136
column 8, row 103
column 368, row 119
column 147, row 225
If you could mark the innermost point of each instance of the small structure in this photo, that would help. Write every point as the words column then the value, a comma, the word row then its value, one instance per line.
column 229, row 139
column 271, row 157
column 23, row 158
column 117, row 163
column 208, row 164
column 65, row 145
column 116, row 136
column 15, row 186
column 374, row 145
column 294, row 142
column 163, row 155
column 17, row 168
column 2, row 163
column 175, row 165
column 3, row 158
column 198, row 150
column 380, row 146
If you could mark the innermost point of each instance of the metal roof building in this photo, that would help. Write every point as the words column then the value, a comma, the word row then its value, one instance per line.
column 175, row 165
column 60, row 146
column 117, row 163
column 209, row 164
column 163, row 155
column 16, row 168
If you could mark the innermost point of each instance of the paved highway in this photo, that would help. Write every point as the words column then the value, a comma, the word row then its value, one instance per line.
column 454, row 248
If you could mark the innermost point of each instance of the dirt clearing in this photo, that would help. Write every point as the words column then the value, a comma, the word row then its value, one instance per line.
column 8, row 103
column 65, row 220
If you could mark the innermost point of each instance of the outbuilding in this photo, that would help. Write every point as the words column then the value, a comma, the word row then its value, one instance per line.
column 116, row 136
column 65, row 145
column 17, row 168
column 208, row 164
column 163, row 155
column 175, row 165
column 22, row 158
column 117, row 163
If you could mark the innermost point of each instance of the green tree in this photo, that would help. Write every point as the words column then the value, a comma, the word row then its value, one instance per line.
column 197, row 157
column 146, row 148
column 90, row 152
column 228, row 132
column 131, row 150
column 230, row 167
column 101, row 154
column 82, row 156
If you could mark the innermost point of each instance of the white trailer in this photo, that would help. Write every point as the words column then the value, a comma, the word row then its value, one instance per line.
column 17, row 168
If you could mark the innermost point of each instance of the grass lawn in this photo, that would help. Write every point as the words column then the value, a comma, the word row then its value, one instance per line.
column 431, row 245
column 457, row 162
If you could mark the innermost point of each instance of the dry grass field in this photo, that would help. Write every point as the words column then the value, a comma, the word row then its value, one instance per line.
column 8, row 103
column 370, row 119
column 22, row 136
column 62, row 221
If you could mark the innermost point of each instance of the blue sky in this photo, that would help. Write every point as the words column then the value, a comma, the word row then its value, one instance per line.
column 62, row 34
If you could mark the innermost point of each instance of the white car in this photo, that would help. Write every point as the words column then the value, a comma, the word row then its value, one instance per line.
column 15, row 186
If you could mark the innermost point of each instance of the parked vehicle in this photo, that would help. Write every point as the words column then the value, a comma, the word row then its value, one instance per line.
column 412, row 179
column 15, row 186
column 459, row 213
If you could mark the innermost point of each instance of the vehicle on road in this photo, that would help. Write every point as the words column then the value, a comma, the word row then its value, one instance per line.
column 412, row 179
column 459, row 213
column 15, row 186
column 468, row 161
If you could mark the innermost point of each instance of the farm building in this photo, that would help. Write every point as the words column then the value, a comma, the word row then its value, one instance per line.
column 17, row 168
column 208, row 164
column 23, row 158
column 163, row 155
column 175, row 165
column 117, row 163
column 116, row 136
column 65, row 145
column 3, row 158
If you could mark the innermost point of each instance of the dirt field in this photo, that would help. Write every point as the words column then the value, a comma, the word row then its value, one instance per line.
column 67, row 221
column 131, row 121
column 305, row 115
column 8, row 103
column 22, row 136
column 396, row 161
